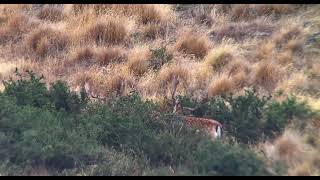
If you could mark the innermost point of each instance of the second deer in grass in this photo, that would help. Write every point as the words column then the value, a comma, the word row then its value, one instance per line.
column 210, row 126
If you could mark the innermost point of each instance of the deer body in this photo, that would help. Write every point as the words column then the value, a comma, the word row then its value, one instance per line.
column 210, row 126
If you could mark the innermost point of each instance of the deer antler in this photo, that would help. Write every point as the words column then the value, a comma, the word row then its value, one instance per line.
column 175, row 83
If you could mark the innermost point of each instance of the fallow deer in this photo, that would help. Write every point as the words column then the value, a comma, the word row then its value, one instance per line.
column 210, row 126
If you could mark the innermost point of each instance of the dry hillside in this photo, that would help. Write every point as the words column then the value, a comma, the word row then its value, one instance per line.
column 211, row 49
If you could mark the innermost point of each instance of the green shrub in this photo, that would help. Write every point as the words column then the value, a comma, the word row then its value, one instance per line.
column 241, row 116
column 142, row 138
column 160, row 57
column 63, row 98
column 280, row 114
column 113, row 163
column 27, row 91
column 31, row 136
column 250, row 118
column 32, row 91
column 220, row 159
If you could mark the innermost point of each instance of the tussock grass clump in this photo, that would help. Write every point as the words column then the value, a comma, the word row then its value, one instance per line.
column 238, row 65
column 171, row 76
column 266, row 75
column 240, row 79
column 77, row 9
column 286, row 35
column 47, row 42
column 221, row 85
column 264, row 9
column 53, row 14
column 84, row 55
column 105, row 56
column 201, row 78
column 243, row 30
column 285, row 57
column 139, row 60
column 144, row 13
column 221, row 55
column 193, row 44
column 301, row 170
column 111, row 31
column 264, row 51
column 14, row 28
column 289, row 147
column 119, row 85
column 295, row 45
column 117, row 82
column 152, row 30
column 251, row 11
column 153, row 13
column 294, row 83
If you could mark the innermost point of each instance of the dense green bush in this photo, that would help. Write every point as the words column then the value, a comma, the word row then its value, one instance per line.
column 61, row 96
column 32, row 91
column 250, row 118
column 225, row 160
column 160, row 56
column 290, row 111
column 241, row 116
column 38, row 136
column 27, row 91
column 142, row 140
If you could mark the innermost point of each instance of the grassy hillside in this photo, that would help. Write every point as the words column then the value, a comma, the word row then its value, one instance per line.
column 215, row 52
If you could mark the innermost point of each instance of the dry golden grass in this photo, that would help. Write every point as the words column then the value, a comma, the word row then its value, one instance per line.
column 286, row 34
column 202, row 76
column 237, row 66
column 152, row 30
column 302, row 170
column 119, row 85
column 250, row 11
column 77, row 9
column 139, row 60
column 266, row 75
column 240, row 79
column 100, row 45
column 221, row 55
column 111, row 31
column 5, row 68
column 164, row 81
column 291, row 149
column 191, row 43
column 14, row 28
column 288, row 148
column 240, row 31
column 293, row 83
column 105, row 56
column 153, row 13
column 264, row 51
column 204, row 14
column 47, row 42
column 295, row 45
column 102, row 84
column 274, row 8
column 84, row 55
column 285, row 57
column 221, row 85
column 52, row 14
